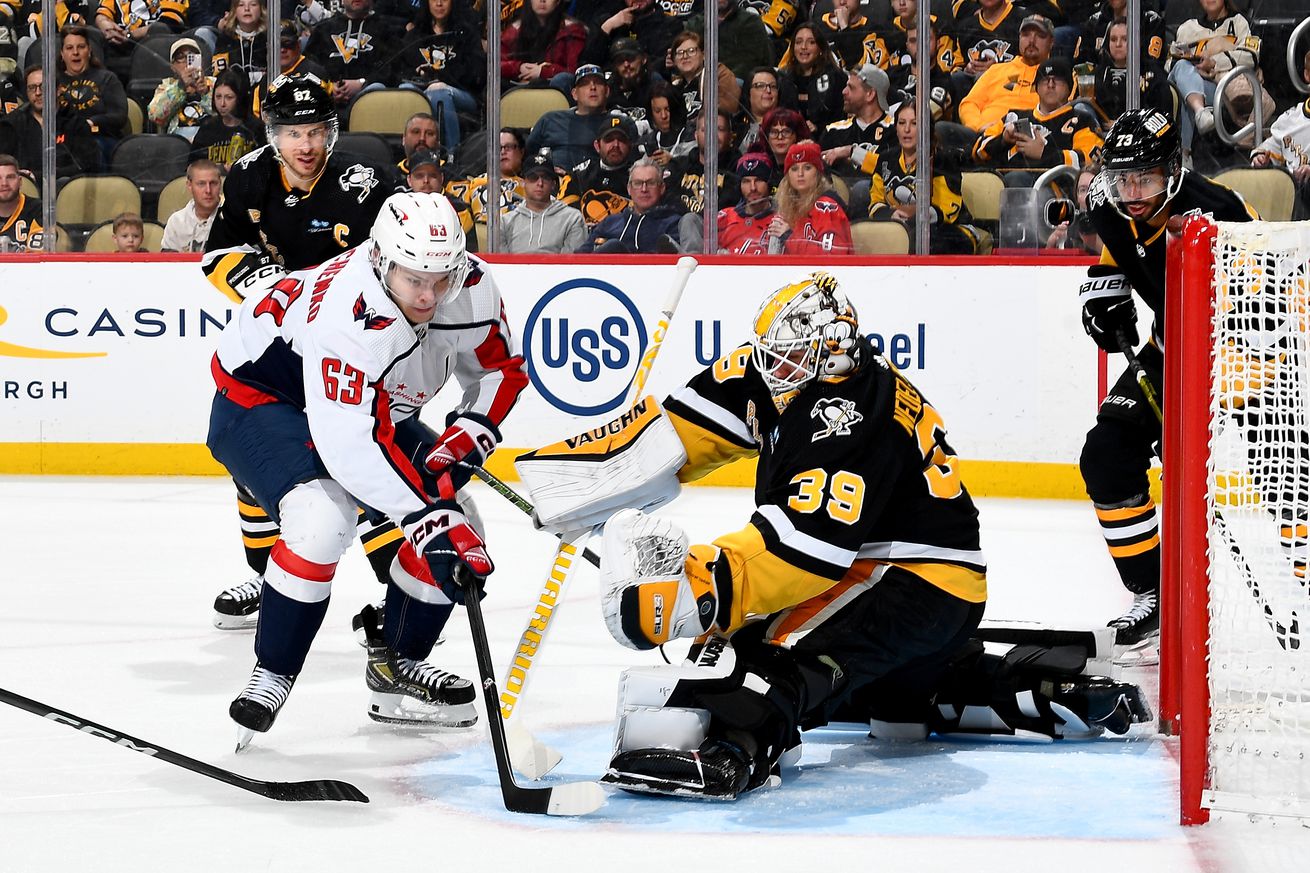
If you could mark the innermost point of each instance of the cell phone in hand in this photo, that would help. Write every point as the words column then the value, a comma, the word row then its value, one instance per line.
column 1024, row 128
column 193, row 61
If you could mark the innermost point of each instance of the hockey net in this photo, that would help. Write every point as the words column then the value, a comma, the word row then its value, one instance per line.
column 1235, row 638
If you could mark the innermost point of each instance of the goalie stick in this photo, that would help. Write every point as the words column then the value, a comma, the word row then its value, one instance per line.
column 316, row 789
column 573, row 798
column 1288, row 636
column 525, row 752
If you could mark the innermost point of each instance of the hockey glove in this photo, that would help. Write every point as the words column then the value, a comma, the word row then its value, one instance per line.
column 466, row 442
column 1108, row 308
column 656, row 588
column 443, row 536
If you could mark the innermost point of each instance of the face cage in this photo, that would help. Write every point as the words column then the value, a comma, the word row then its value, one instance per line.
column 330, row 143
column 458, row 275
column 770, row 355
column 1173, row 183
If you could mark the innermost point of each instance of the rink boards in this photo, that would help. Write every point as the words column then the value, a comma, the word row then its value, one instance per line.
column 104, row 365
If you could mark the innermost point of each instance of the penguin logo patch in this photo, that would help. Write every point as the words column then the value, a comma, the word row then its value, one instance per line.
column 837, row 417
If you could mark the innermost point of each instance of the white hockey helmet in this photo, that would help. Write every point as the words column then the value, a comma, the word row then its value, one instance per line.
column 803, row 331
column 421, row 232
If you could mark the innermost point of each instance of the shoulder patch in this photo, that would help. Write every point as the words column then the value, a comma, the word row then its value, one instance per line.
column 361, row 177
column 836, row 416
column 372, row 321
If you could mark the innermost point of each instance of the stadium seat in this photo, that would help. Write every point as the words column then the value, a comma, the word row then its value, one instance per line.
column 136, row 118
column 482, row 236
column 85, row 201
column 523, row 106
column 29, row 188
column 93, row 199
column 171, row 199
column 386, row 111
column 366, row 146
column 842, row 189
column 63, row 239
column 880, row 238
column 102, row 238
column 1269, row 189
column 982, row 195
column 151, row 161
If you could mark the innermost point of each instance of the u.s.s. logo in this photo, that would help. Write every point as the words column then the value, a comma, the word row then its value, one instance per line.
column 583, row 341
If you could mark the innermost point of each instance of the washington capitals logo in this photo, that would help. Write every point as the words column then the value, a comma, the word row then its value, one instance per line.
column 837, row 417
column 372, row 321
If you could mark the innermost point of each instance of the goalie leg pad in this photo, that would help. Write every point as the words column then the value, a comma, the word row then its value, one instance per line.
column 1034, row 689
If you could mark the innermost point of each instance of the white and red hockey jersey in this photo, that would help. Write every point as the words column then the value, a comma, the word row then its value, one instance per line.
column 330, row 341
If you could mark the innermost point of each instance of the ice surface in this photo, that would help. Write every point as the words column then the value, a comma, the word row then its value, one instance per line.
column 106, row 586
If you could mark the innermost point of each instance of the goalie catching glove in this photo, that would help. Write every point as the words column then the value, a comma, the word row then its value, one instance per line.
column 1108, row 308
column 655, row 587
column 443, row 536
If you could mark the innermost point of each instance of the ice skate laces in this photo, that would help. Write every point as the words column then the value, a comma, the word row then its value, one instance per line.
column 1143, row 608
column 268, row 689
column 245, row 591
column 424, row 675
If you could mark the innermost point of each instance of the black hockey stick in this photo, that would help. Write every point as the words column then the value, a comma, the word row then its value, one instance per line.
column 317, row 789
column 1143, row 380
column 574, row 798
column 520, row 501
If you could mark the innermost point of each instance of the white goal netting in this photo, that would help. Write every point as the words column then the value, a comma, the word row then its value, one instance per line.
column 1259, row 502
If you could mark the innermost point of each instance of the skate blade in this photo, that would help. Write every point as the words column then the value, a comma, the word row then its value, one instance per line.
column 405, row 710
column 236, row 622
column 1141, row 654
column 244, row 736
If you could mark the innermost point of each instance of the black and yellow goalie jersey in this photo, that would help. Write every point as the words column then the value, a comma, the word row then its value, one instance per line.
column 854, row 474
column 264, row 221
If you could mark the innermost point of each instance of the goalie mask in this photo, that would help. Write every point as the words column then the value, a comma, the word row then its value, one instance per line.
column 804, row 331
column 1142, row 160
column 420, row 232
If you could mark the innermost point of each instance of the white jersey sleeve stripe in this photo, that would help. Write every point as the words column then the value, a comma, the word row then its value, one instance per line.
column 730, row 423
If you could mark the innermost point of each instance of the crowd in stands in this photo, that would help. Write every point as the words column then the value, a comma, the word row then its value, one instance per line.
column 817, row 130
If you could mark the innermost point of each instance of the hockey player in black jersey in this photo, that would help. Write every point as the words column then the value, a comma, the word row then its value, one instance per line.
column 1131, row 203
column 856, row 585
column 293, row 203
column 287, row 206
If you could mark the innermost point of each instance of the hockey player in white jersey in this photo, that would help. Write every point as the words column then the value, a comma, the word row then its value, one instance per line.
column 320, row 382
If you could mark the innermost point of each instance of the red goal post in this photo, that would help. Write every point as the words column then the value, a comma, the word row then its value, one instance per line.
column 1234, row 673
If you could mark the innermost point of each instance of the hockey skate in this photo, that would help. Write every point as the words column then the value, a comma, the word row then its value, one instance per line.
column 406, row 691
column 718, row 770
column 237, row 608
column 257, row 706
column 1089, row 705
column 1137, row 632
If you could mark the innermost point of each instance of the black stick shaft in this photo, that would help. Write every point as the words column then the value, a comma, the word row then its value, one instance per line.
column 518, row 500
column 1143, row 380
column 318, row 790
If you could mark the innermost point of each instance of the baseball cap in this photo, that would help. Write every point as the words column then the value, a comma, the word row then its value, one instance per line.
column 754, row 164
column 1039, row 21
column 626, row 47
column 587, row 71
column 874, row 78
column 1060, row 68
column 806, row 152
column 538, row 164
column 617, row 122
column 183, row 43
column 424, row 157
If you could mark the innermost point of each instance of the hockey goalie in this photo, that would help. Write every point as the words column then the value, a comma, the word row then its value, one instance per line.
column 855, row 591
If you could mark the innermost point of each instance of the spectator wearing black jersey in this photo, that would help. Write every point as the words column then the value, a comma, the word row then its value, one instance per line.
column 229, row 133
column 94, row 95
column 442, row 58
